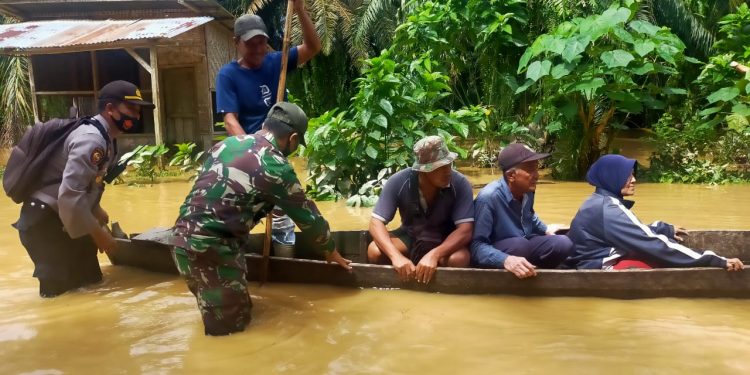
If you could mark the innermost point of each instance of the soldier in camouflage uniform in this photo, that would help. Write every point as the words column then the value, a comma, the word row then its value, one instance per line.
column 240, row 182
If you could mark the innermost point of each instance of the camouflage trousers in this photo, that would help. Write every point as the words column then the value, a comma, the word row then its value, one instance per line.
column 217, row 279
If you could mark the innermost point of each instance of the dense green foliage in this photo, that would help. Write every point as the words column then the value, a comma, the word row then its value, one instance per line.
column 395, row 106
column 592, row 70
column 707, row 139
column 15, row 97
column 726, row 91
column 562, row 75
column 186, row 158
column 416, row 87
column 146, row 161
column 687, row 152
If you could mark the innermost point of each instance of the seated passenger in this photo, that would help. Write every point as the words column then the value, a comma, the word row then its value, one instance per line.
column 607, row 235
column 437, row 215
column 507, row 232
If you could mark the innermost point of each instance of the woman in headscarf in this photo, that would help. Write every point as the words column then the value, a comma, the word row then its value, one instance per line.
column 607, row 235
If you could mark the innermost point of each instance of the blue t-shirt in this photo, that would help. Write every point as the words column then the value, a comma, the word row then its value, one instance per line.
column 251, row 92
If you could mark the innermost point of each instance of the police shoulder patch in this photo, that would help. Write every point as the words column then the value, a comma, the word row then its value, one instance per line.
column 97, row 155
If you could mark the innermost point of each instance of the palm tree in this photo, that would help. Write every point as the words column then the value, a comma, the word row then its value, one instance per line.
column 15, row 97
column 694, row 21
column 363, row 26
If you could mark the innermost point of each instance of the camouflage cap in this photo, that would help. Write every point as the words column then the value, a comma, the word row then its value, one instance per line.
column 431, row 153
column 291, row 115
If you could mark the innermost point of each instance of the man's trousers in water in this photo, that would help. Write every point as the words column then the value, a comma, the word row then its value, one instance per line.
column 217, row 279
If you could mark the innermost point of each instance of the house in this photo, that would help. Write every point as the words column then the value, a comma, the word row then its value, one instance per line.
column 171, row 49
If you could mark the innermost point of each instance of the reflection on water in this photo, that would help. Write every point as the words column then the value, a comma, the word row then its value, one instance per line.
column 140, row 322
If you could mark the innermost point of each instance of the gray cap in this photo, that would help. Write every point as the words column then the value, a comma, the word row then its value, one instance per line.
column 291, row 115
column 249, row 26
column 517, row 153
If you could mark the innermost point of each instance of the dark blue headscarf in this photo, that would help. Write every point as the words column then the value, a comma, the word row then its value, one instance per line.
column 611, row 172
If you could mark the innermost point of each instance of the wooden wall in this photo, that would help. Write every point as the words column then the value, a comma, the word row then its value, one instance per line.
column 219, row 49
column 189, row 51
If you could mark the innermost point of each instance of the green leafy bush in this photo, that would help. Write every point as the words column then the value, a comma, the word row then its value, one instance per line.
column 688, row 152
column 595, row 72
column 441, row 76
column 726, row 91
column 146, row 161
column 396, row 105
column 187, row 159
column 711, row 146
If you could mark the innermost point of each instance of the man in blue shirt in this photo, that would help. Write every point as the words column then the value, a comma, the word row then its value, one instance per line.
column 246, row 88
column 437, row 215
column 507, row 232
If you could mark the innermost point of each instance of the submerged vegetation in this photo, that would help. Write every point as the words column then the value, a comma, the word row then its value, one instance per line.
column 147, row 163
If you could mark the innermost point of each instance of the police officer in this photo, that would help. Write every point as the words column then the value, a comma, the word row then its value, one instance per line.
column 240, row 182
column 62, row 223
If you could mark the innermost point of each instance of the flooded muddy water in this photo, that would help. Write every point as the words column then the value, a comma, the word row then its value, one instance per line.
column 141, row 322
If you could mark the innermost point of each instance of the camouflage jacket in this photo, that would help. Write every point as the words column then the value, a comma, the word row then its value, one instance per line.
column 240, row 182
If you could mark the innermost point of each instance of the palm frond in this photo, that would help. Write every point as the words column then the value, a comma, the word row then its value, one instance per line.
column 371, row 13
column 646, row 11
column 697, row 35
column 15, row 99
column 329, row 17
column 256, row 5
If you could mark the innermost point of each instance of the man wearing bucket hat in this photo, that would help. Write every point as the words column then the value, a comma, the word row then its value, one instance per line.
column 61, row 221
column 437, row 215
column 241, row 180
column 508, row 234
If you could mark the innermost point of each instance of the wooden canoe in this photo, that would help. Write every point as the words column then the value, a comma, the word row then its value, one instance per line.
column 151, row 251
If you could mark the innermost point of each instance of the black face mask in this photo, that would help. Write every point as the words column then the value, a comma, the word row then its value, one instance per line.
column 288, row 149
column 126, row 123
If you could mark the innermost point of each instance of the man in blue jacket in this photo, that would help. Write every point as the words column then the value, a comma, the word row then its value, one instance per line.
column 507, row 232
column 607, row 235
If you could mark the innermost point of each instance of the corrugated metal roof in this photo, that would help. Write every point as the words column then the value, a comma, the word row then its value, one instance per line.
column 67, row 33
column 37, row 10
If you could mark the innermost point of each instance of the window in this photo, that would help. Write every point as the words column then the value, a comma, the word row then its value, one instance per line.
column 63, row 72
column 63, row 81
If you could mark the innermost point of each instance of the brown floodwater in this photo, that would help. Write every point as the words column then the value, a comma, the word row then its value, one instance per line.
column 141, row 322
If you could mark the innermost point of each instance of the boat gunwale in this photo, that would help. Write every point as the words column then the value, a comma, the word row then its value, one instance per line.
column 474, row 269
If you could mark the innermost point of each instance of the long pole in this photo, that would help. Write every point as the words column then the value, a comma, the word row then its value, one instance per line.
column 279, row 98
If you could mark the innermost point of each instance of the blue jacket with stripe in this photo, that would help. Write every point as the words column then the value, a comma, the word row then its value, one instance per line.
column 605, row 230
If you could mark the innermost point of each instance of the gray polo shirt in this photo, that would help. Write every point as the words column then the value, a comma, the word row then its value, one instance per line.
column 453, row 206
column 76, row 178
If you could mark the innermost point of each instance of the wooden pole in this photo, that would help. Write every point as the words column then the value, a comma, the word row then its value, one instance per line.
column 279, row 98
column 156, row 97
column 285, row 52
column 95, row 79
